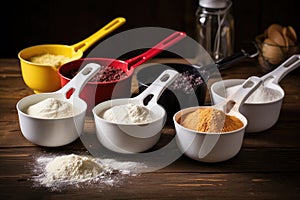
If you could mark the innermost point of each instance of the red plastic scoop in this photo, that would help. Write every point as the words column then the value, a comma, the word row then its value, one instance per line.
column 132, row 63
column 96, row 92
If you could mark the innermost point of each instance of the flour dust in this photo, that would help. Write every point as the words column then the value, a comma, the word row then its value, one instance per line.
column 59, row 172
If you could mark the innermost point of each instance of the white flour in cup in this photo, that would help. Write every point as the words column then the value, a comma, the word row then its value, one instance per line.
column 127, row 113
column 260, row 95
column 51, row 108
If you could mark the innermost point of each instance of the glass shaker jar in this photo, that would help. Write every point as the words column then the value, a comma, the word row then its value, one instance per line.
column 215, row 27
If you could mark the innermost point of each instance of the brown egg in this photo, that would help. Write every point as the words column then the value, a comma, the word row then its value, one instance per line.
column 286, row 38
column 269, row 42
column 272, row 52
column 291, row 33
column 274, row 27
column 291, row 42
column 277, row 37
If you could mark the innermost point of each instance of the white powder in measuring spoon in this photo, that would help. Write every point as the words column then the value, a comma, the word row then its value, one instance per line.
column 261, row 95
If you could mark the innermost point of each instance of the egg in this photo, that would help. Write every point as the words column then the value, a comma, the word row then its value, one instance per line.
column 286, row 38
column 291, row 42
column 272, row 52
column 274, row 27
column 291, row 33
column 277, row 37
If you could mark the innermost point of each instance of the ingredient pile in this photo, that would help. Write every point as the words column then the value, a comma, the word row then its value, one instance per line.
column 51, row 108
column 210, row 120
column 57, row 172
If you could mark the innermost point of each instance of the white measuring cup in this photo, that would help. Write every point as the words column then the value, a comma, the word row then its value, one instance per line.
column 59, row 131
column 137, row 137
column 261, row 116
column 217, row 146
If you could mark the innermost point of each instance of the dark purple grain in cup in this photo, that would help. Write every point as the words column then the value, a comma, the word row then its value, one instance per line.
column 106, row 74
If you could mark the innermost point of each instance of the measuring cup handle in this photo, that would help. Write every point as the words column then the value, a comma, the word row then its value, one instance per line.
column 79, row 81
column 286, row 67
column 158, row 86
column 108, row 28
column 234, row 101
column 164, row 44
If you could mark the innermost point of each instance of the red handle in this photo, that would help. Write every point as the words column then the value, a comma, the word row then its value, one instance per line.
column 164, row 44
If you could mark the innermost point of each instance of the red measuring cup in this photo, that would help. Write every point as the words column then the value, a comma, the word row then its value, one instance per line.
column 97, row 92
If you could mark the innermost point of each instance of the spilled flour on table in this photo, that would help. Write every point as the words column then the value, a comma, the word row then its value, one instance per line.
column 60, row 172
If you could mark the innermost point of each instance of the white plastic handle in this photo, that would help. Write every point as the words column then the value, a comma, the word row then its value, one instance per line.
column 158, row 86
column 234, row 101
column 281, row 71
column 79, row 81
column 232, row 104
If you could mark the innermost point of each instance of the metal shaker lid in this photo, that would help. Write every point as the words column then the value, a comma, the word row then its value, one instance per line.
column 214, row 3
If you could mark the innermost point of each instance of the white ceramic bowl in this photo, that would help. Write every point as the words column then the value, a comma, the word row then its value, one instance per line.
column 128, row 138
column 50, row 132
column 58, row 131
column 134, row 138
column 260, row 116
column 208, row 147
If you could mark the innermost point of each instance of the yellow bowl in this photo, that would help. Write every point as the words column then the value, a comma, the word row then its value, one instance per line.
column 44, row 77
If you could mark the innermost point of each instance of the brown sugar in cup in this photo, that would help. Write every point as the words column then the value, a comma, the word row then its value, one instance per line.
column 210, row 120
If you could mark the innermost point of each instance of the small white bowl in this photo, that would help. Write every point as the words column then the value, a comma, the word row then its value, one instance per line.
column 134, row 138
column 50, row 132
column 260, row 116
column 208, row 147
column 58, row 131
column 128, row 138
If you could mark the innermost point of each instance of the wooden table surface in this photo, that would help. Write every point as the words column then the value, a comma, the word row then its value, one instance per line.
column 267, row 167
